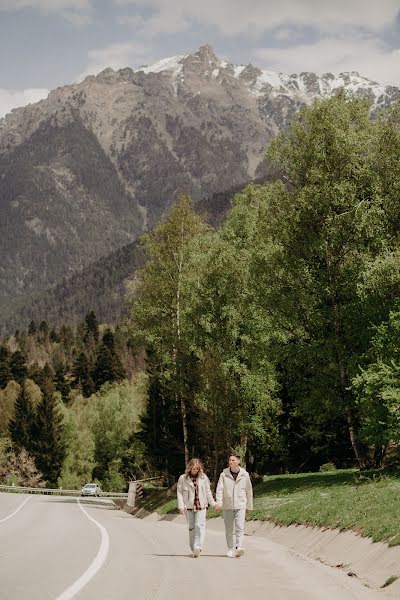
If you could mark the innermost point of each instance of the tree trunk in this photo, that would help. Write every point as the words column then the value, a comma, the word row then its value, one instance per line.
column 215, row 444
column 344, row 383
column 379, row 455
column 243, row 445
column 354, row 440
column 185, row 430
column 179, row 391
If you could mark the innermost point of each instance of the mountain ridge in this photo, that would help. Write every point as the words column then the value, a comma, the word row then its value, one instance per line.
column 86, row 171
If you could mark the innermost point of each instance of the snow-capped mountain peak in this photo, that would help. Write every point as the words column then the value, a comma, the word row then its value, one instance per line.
column 303, row 87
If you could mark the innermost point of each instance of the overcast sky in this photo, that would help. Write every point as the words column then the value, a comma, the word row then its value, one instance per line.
column 48, row 43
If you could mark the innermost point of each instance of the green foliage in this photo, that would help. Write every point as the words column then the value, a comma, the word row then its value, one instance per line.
column 8, row 397
column 237, row 400
column 79, row 462
column 113, row 479
column 63, row 380
column 279, row 306
column 330, row 226
column 118, row 409
column 107, row 367
column 48, row 438
column 377, row 386
column 101, row 437
column 82, row 375
column 21, row 427
column 91, row 326
column 160, row 312
column 327, row 467
column 18, row 367
column 5, row 371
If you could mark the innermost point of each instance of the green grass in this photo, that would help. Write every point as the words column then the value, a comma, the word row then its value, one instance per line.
column 156, row 499
column 367, row 502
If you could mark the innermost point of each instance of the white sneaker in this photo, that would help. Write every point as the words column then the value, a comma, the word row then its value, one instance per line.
column 231, row 553
column 196, row 552
column 239, row 552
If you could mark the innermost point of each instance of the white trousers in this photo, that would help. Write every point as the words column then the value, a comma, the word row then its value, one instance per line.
column 234, row 527
column 197, row 527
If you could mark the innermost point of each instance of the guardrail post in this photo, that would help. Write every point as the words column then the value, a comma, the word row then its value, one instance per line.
column 131, row 494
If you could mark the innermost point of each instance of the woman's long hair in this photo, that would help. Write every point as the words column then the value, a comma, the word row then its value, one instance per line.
column 192, row 462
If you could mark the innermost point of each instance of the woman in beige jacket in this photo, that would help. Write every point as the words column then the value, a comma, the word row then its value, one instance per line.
column 194, row 496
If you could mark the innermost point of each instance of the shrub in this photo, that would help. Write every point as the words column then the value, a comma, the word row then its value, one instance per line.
column 327, row 467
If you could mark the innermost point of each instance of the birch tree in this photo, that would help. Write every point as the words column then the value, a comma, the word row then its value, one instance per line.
column 160, row 305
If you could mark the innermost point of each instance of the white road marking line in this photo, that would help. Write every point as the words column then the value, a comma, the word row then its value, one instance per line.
column 15, row 511
column 96, row 564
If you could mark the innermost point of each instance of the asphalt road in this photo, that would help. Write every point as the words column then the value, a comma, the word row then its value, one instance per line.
column 62, row 548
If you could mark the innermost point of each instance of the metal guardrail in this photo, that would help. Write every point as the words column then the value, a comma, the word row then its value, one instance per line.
column 55, row 491
column 150, row 478
column 60, row 492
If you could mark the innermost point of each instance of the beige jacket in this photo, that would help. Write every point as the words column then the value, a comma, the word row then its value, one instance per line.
column 232, row 494
column 185, row 492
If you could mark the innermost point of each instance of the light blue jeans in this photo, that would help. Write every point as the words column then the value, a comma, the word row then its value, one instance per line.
column 197, row 527
column 234, row 527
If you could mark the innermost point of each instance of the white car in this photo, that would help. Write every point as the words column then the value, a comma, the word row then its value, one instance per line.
column 90, row 489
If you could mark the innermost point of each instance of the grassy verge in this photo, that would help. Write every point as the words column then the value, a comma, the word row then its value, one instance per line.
column 367, row 502
column 156, row 499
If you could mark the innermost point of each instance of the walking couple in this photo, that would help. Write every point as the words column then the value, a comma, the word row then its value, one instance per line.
column 234, row 495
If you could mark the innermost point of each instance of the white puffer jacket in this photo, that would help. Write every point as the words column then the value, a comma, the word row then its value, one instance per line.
column 232, row 494
column 185, row 492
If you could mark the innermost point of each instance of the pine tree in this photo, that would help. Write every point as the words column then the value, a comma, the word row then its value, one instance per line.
column 108, row 340
column 5, row 372
column 62, row 380
column 54, row 337
column 67, row 339
column 43, row 332
column 82, row 375
column 18, row 367
column 32, row 329
column 21, row 427
column 44, row 328
column 107, row 367
column 49, row 448
column 41, row 375
column 92, row 327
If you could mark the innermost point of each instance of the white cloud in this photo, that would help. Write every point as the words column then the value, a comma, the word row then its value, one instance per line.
column 257, row 16
column 10, row 99
column 45, row 5
column 76, row 11
column 369, row 56
column 116, row 56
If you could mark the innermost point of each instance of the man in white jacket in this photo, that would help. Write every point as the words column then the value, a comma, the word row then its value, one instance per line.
column 235, row 496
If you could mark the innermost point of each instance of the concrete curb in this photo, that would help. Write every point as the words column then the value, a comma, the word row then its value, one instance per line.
column 373, row 563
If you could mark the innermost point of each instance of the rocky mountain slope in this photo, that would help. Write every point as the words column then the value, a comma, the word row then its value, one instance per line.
column 85, row 171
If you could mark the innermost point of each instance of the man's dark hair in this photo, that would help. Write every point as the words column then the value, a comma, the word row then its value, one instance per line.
column 234, row 454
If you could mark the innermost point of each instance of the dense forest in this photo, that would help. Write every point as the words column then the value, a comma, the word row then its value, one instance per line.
column 70, row 403
column 101, row 286
column 275, row 334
